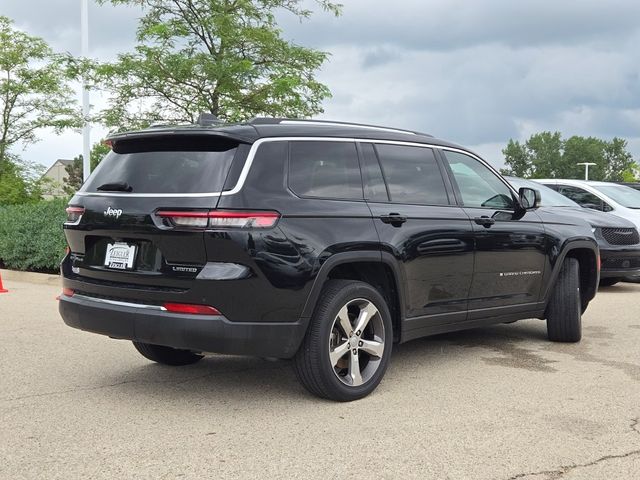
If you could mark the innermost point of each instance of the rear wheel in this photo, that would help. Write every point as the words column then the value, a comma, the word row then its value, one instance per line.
column 167, row 355
column 348, row 344
column 609, row 282
column 564, row 322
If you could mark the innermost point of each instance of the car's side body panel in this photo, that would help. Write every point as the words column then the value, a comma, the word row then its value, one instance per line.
column 447, row 270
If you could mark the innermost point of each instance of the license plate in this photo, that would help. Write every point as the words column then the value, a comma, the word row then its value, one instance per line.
column 120, row 256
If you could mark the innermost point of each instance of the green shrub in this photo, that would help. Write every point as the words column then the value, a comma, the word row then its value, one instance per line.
column 31, row 236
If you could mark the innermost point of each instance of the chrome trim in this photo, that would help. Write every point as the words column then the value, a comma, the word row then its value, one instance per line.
column 119, row 303
column 252, row 153
column 346, row 125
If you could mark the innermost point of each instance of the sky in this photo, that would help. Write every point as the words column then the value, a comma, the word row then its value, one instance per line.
column 477, row 73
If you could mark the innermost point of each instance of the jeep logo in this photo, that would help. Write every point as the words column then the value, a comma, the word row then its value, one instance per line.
column 110, row 212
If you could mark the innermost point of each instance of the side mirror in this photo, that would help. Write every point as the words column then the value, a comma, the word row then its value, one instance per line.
column 529, row 198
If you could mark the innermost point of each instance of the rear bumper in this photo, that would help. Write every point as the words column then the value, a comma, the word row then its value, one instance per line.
column 620, row 262
column 202, row 333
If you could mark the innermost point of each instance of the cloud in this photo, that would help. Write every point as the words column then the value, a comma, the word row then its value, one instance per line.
column 452, row 24
column 112, row 29
column 476, row 73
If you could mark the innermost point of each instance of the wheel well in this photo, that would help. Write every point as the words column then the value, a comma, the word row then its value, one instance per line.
column 379, row 276
column 588, row 271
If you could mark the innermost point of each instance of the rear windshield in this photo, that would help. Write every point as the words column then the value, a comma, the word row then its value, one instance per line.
column 190, row 164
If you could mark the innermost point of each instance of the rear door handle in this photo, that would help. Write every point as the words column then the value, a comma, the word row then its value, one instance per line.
column 484, row 221
column 394, row 219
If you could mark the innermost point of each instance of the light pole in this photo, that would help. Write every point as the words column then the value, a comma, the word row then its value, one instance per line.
column 586, row 168
column 86, row 128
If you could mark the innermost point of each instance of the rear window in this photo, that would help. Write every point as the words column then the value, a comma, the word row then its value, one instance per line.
column 190, row 164
column 325, row 169
column 412, row 175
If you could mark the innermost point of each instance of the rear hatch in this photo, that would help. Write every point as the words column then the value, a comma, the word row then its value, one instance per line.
column 116, row 229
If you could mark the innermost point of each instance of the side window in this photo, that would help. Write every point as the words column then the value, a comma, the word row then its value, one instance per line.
column 479, row 186
column 412, row 175
column 584, row 198
column 374, row 187
column 325, row 169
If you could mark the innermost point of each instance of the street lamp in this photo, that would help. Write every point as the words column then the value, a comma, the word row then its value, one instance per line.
column 86, row 128
column 586, row 168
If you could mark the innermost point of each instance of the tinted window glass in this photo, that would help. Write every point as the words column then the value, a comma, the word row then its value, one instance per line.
column 325, row 169
column 583, row 198
column 412, row 175
column 479, row 186
column 374, row 187
column 166, row 165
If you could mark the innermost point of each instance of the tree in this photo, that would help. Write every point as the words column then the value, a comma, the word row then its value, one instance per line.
column 75, row 171
column 547, row 155
column 517, row 159
column 619, row 164
column 19, row 181
column 578, row 149
column 34, row 91
column 225, row 57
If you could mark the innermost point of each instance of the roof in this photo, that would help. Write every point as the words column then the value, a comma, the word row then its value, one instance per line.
column 573, row 181
column 62, row 161
column 257, row 128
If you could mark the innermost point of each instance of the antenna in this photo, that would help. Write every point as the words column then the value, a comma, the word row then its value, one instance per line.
column 208, row 119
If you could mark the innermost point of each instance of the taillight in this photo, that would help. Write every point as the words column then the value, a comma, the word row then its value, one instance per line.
column 221, row 218
column 190, row 308
column 74, row 214
column 243, row 219
column 68, row 292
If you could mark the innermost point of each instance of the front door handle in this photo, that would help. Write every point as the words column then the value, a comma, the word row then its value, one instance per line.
column 484, row 221
column 394, row 219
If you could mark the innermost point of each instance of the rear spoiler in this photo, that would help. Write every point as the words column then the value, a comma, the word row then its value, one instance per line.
column 172, row 132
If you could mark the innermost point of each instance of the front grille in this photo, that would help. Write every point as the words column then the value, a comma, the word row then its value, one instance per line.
column 621, row 236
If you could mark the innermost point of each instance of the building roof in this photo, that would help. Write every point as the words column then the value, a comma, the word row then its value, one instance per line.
column 61, row 161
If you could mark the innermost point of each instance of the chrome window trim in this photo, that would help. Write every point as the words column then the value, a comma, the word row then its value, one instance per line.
column 346, row 125
column 256, row 145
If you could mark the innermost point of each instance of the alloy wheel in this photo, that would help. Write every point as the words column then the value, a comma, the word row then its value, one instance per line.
column 356, row 342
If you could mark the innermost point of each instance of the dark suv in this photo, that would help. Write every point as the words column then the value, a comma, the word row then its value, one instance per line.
column 325, row 242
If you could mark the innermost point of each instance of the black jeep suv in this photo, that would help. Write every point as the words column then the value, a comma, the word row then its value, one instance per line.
column 322, row 241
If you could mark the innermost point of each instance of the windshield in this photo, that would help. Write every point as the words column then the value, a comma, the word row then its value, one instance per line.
column 549, row 197
column 625, row 196
column 194, row 164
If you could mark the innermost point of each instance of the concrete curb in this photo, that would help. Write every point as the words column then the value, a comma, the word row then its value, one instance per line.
column 29, row 277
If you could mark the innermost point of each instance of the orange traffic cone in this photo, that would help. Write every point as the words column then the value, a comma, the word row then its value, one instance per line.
column 2, row 289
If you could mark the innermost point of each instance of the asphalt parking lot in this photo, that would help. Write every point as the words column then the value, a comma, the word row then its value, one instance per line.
column 494, row 403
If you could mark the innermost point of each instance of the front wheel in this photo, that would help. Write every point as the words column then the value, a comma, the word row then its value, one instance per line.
column 167, row 355
column 564, row 312
column 347, row 347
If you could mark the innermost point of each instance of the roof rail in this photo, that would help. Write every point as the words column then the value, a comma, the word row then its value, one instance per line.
column 291, row 121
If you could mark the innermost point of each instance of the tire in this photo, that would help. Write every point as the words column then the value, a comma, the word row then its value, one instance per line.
column 564, row 322
column 167, row 355
column 609, row 282
column 347, row 376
